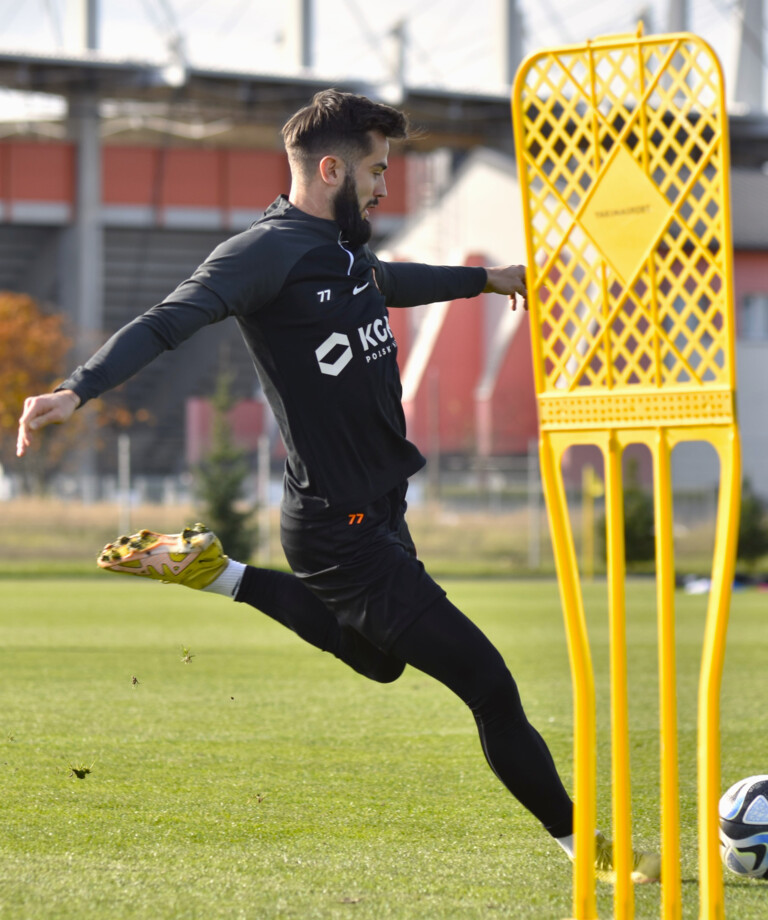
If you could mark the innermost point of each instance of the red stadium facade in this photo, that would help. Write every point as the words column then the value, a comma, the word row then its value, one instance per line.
column 225, row 189
column 466, row 366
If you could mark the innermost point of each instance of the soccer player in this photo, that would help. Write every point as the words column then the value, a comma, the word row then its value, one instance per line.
column 311, row 300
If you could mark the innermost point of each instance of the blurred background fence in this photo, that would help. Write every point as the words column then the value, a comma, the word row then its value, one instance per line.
column 465, row 521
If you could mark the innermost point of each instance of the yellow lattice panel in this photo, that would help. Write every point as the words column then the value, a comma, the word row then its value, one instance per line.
column 622, row 158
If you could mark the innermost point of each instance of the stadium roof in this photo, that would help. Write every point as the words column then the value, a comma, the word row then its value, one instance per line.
column 266, row 100
column 256, row 104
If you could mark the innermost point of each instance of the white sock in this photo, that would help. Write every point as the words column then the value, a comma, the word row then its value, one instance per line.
column 229, row 581
column 568, row 844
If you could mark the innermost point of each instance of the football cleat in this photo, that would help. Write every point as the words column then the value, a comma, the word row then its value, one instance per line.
column 646, row 867
column 193, row 557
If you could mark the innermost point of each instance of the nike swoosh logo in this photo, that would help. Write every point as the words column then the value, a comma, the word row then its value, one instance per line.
column 360, row 287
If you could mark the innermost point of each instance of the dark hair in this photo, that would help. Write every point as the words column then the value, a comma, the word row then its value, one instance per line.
column 336, row 122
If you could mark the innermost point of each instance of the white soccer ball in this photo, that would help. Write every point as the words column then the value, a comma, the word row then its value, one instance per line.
column 744, row 827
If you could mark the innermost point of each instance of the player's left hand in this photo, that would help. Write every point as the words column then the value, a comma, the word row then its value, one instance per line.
column 508, row 280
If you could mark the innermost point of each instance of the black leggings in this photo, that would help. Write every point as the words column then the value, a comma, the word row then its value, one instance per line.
column 448, row 646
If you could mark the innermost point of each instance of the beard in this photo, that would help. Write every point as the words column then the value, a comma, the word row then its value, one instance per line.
column 355, row 229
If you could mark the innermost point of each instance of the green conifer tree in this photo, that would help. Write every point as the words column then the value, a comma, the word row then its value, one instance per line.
column 221, row 478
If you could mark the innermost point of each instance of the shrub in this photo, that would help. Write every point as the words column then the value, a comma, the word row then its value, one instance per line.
column 753, row 527
column 639, row 543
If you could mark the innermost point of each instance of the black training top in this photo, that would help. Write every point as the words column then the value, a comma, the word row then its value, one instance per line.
column 314, row 317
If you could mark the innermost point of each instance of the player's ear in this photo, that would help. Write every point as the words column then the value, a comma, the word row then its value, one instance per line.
column 331, row 170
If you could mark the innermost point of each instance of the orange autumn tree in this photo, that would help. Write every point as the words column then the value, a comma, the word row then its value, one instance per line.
column 33, row 347
column 34, row 357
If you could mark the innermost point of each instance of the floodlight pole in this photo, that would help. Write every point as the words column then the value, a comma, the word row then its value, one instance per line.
column 299, row 35
column 83, row 274
column 678, row 16
column 509, row 39
column 750, row 59
column 86, row 266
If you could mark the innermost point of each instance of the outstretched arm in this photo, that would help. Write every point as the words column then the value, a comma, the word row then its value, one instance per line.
column 160, row 329
column 39, row 411
column 410, row 284
column 239, row 276
column 128, row 351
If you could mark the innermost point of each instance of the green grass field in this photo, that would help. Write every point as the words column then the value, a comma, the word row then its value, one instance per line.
column 262, row 779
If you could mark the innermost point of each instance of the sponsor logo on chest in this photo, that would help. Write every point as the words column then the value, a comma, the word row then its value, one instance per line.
column 376, row 341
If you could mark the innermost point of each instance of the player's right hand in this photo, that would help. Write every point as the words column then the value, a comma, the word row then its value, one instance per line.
column 509, row 280
column 39, row 411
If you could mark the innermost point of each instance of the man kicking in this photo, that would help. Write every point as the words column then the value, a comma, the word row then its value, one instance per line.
column 308, row 293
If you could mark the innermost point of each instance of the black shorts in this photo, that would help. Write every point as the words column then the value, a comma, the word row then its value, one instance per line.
column 362, row 565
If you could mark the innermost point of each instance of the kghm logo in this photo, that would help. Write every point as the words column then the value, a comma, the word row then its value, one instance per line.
column 334, row 341
column 375, row 334
column 336, row 351
column 377, row 339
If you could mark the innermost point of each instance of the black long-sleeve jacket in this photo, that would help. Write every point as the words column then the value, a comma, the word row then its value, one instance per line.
column 314, row 318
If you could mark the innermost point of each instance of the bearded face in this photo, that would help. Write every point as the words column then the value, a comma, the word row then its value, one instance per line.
column 348, row 213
